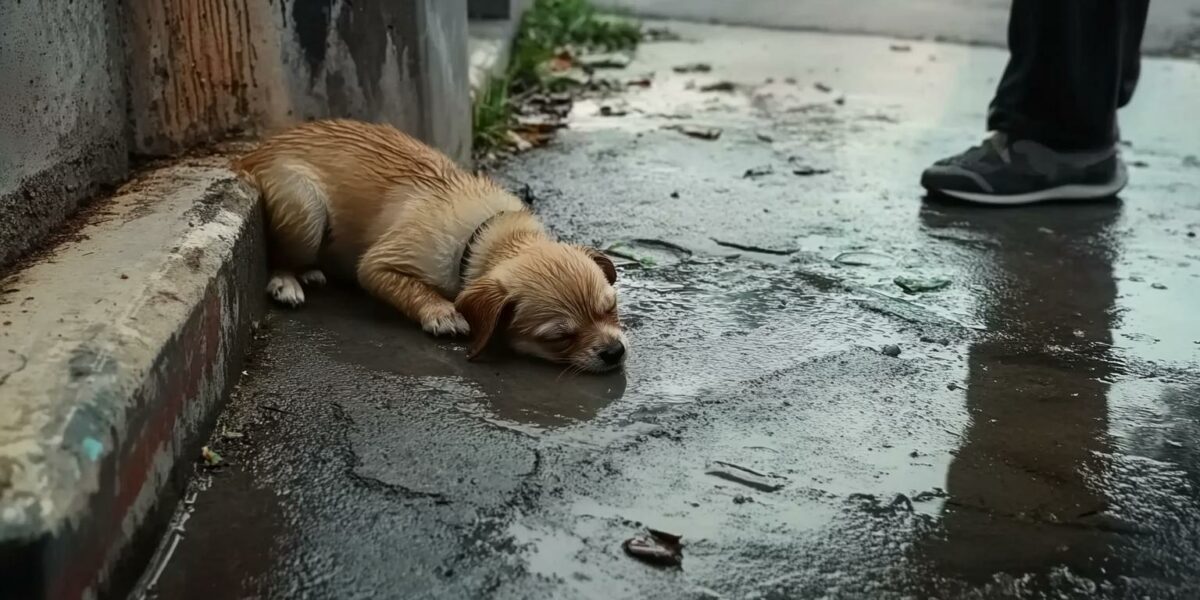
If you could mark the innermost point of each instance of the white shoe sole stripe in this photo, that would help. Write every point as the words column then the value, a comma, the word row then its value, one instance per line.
column 1062, row 192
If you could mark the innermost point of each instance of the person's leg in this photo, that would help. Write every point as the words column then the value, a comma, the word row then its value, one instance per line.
column 1072, row 65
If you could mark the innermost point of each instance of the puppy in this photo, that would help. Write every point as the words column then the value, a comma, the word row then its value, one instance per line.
column 450, row 250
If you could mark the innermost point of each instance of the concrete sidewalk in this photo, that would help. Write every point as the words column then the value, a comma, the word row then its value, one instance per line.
column 119, row 345
column 1173, row 27
column 1035, row 437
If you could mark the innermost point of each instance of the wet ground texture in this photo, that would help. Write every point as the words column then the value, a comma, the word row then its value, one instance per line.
column 1025, row 423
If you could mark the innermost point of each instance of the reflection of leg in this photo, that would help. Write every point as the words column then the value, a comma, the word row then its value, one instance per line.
column 1072, row 65
column 1023, row 485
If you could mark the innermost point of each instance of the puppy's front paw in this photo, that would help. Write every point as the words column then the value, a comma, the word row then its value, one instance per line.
column 445, row 321
column 313, row 277
column 284, row 289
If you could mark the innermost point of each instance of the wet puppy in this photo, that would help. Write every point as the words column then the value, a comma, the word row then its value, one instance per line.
column 448, row 249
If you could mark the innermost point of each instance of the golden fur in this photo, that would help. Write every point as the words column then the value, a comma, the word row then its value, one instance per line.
column 372, row 203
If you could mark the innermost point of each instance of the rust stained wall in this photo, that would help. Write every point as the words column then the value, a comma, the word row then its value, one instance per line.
column 201, row 69
column 198, row 70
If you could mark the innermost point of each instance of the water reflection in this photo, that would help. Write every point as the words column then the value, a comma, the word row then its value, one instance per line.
column 1023, row 493
column 368, row 334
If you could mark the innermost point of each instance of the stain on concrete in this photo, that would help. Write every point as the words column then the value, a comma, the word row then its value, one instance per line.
column 311, row 20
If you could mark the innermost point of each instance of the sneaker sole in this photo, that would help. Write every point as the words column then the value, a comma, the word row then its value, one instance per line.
column 1077, row 192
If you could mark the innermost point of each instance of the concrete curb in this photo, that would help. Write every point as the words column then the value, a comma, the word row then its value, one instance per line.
column 115, row 355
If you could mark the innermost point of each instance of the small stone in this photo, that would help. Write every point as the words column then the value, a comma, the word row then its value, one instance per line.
column 891, row 350
column 693, row 68
column 720, row 86
column 674, row 194
column 739, row 499
column 916, row 285
column 754, row 172
column 1158, row 286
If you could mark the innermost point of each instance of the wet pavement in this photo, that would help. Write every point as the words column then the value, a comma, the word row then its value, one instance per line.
column 1173, row 26
column 1035, row 436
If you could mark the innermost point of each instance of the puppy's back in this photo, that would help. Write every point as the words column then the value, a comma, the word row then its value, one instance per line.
column 344, row 151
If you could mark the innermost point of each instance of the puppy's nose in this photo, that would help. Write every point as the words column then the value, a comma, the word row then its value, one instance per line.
column 612, row 353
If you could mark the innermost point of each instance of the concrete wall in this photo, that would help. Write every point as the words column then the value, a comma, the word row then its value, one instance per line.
column 257, row 66
column 62, row 113
column 87, row 84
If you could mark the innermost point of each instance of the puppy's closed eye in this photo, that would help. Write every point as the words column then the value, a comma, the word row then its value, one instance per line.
column 555, row 333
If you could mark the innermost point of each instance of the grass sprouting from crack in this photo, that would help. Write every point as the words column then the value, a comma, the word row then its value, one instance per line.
column 546, row 29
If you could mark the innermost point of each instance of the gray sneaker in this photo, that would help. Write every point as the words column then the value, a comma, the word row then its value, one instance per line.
column 1001, row 171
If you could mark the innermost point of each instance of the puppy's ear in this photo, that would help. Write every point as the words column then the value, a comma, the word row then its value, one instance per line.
column 605, row 263
column 486, row 306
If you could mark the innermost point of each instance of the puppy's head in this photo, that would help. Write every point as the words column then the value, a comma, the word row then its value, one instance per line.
column 554, row 301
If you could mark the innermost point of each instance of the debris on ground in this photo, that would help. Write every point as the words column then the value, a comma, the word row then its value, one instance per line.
column 744, row 476
column 914, row 285
column 871, row 504
column 1158, row 286
column 902, row 502
column 644, row 81
column 525, row 193
column 656, row 547
column 821, row 87
column 698, row 67
column 675, row 195
column 648, row 252
column 616, row 109
column 932, row 340
column 660, row 34
column 607, row 60
column 232, row 435
column 861, row 258
column 928, row 495
column 557, row 105
column 210, row 457
column 764, row 137
column 809, row 171
column 762, row 171
column 758, row 249
column 518, row 142
column 697, row 131
column 719, row 86
column 740, row 499
column 891, row 350
column 901, row 48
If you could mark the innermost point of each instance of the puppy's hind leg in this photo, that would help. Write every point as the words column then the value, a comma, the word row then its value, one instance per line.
column 297, row 215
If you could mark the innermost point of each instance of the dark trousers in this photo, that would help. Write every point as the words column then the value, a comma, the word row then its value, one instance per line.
column 1072, row 64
